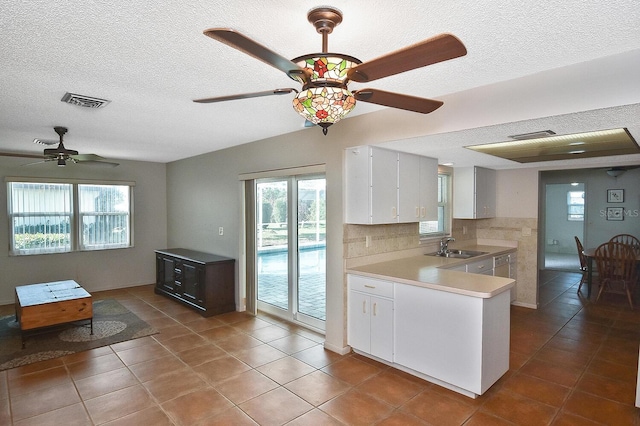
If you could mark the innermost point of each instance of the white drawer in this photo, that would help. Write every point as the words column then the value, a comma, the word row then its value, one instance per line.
column 370, row 285
column 480, row 266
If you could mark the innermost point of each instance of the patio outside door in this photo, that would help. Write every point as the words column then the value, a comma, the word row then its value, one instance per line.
column 290, row 248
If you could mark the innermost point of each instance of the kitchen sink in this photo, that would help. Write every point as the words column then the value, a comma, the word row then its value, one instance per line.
column 458, row 254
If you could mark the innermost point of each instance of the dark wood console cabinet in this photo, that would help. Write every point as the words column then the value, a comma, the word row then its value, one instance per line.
column 202, row 281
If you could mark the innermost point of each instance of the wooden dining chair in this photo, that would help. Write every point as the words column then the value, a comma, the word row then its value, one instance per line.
column 616, row 264
column 634, row 243
column 583, row 263
column 626, row 239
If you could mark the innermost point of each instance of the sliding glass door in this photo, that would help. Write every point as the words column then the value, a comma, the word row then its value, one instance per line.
column 290, row 248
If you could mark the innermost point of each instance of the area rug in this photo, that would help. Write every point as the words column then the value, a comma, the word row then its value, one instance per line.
column 112, row 323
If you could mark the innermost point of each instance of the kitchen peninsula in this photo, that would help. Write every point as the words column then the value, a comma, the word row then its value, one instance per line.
column 423, row 315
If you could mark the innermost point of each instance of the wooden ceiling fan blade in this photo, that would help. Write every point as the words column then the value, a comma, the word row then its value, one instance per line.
column 92, row 159
column 246, row 45
column 396, row 100
column 47, row 160
column 245, row 95
column 427, row 52
column 20, row 155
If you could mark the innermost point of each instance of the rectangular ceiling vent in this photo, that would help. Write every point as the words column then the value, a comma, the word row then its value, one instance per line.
column 533, row 135
column 84, row 101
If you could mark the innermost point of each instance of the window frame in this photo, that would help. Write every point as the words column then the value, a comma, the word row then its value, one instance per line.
column 445, row 203
column 77, row 243
column 575, row 217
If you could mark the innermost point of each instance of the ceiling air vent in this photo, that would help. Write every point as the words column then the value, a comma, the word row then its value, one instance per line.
column 84, row 101
column 533, row 135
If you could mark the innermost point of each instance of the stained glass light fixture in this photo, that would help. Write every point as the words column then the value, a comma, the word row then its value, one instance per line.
column 325, row 99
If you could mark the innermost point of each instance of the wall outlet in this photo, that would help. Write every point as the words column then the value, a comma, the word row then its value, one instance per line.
column 526, row 232
column 464, row 230
column 367, row 241
column 221, row 231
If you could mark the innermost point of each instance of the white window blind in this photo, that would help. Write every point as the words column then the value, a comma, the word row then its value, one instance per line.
column 103, row 216
column 41, row 217
column 57, row 217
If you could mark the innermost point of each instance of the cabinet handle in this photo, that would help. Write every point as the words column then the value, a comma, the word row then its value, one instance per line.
column 364, row 306
column 369, row 286
column 423, row 211
column 375, row 309
column 417, row 211
column 394, row 213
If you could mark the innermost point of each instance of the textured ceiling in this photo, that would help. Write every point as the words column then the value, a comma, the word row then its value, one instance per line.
column 525, row 59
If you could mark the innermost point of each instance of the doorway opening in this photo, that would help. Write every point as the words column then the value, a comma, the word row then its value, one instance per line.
column 564, row 219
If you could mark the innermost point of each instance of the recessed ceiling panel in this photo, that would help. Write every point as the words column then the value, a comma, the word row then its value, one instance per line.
column 600, row 143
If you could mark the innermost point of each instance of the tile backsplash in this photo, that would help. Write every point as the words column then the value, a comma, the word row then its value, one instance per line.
column 375, row 243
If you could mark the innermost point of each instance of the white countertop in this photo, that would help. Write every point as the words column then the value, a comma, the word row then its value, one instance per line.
column 429, row 271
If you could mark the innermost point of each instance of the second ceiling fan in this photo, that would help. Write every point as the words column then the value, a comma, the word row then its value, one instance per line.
column 325, row 97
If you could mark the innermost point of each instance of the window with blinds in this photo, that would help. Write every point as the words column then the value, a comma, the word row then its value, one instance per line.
column 440, row 227
column 40, row 215
column 63, row 217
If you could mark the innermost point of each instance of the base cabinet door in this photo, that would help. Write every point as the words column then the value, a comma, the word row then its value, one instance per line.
column 359, row 332
column 165, row 276
column 192, row 283
column 382, row 328
column 370, row 316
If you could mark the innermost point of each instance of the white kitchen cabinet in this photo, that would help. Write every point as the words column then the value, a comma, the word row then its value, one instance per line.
column 428, row 189
column 458, row 341
column 484, row 266
column 474, row 193
column 417, row 188
column 384, row 186
column 370, row 316
column 409, row 187
column 371, row 185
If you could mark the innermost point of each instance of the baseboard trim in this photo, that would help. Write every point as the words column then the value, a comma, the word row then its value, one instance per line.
column 339, row 350
column 524, row 305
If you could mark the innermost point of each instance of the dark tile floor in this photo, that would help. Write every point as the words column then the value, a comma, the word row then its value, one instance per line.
column 572, row 363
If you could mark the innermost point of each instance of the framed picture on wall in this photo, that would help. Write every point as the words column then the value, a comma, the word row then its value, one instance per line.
column 615, row 195
column 615, row 213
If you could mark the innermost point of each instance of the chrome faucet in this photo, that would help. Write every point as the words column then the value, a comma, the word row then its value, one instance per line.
column 444, row 244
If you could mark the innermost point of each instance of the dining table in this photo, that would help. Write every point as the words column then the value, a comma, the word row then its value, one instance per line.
column 590, row 255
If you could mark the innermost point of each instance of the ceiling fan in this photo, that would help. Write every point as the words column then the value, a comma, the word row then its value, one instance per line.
column 61, row 155
column 619, row 170
column 325, row 97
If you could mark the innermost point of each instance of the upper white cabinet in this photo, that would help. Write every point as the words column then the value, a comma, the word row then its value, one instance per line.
column 384, row 186
column 417, row 188
column 474, row 193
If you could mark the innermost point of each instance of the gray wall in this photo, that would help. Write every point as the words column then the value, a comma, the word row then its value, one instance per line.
column 597, row 228
column 204, row 193
column 96, row 270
